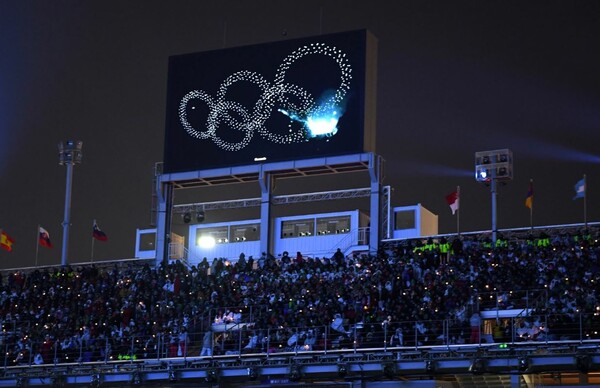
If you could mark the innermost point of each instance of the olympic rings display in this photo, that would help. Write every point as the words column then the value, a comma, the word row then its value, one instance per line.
column 275, row 97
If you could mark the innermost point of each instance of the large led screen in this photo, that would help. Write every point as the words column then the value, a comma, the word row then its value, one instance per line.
column 294, row 99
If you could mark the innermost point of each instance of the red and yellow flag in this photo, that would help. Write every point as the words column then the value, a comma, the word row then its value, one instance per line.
column 529, row 198
column 6, row 241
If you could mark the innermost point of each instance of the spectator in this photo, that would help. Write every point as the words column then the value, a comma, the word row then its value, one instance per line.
column 207, row 344
column 105, row 310
column 475, row 322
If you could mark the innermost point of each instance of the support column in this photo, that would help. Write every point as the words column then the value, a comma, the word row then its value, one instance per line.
column 164, row 194
column 67, row 219
column 69, row 154
column 494, row 209
column 375, row 167
column 386, row 213
column 265, row 181
column 515, row 381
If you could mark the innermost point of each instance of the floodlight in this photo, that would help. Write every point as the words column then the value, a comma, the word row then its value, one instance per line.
column 69, row 154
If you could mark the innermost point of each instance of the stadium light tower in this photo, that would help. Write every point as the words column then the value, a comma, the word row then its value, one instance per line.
column 491, row 167
column 69, row 154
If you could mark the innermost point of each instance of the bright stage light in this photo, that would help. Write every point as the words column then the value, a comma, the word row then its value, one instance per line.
column 206, row 242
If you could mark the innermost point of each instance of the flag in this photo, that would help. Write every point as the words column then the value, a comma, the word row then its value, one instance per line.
column 529, row 198
column 6, row 241
column 580, row 189
column 97, row 233
column 452, row 200
column 44, row 238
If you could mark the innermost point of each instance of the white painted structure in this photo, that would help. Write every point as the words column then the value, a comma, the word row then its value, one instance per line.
column 413, row 222
column 266, row 175
column 324, row 233
column 313, row 234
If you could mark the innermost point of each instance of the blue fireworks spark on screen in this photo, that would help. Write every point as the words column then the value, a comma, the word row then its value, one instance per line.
column 321, row 120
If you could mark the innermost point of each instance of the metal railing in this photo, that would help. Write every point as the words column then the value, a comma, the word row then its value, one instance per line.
column 20, row 349
column 524, row 300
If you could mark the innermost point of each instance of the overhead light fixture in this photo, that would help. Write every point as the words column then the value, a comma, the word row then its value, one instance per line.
column 187, row 217
column 200, row 216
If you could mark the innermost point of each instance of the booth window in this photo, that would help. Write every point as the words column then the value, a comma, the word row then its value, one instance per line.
column 405, row 219
column 147, row 241
column 247, row 232
column 298, row 228
column 333, row 225
column 220, row 234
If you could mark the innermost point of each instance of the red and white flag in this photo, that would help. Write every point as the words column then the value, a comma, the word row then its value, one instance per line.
column 44, row 238
column 452, row 199
column 97, row 233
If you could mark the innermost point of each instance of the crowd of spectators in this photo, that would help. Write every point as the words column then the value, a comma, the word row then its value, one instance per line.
column 431, row 289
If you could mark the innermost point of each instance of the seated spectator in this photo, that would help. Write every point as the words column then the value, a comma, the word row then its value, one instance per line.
column 106, row 310
column 338, row 324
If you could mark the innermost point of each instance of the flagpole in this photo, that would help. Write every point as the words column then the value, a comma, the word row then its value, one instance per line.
column 93, row 240
column 458, row 212
column 531, row 208
column 585, row 201
column 37, row 245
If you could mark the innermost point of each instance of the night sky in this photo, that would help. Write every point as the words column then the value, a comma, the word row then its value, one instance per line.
column 454, row 78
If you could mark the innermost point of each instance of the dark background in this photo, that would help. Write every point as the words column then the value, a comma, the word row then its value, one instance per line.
column 454, row 78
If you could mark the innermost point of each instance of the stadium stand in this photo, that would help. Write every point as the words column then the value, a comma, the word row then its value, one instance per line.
column 416, row 301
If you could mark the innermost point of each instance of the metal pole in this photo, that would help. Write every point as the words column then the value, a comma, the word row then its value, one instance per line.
column 37, row 244
column 531, row 207
column 494, row 213
column 580, row 328
column 546, row 328
column 416, row 337
column 585, row 202
column 458, row 212
column 512, row 329
column 385, row 325
column 66, row 222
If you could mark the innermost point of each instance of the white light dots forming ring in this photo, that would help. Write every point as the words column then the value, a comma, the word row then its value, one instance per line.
column 323, row 113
